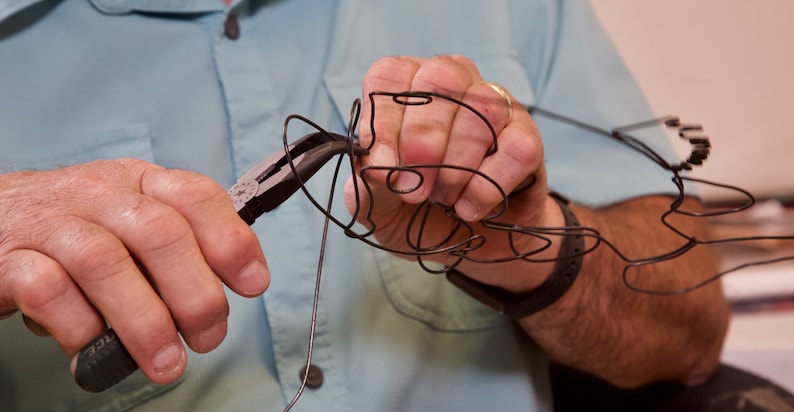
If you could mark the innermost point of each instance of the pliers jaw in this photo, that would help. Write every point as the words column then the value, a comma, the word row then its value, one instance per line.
column 272, row 181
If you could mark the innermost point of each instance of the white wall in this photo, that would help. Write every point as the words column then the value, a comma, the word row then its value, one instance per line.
column 726, row 64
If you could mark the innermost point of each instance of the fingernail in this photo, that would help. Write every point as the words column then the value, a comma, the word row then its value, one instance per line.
column 211, row 337
column 383, row 155
column 408, row 182
column 466, row 211
column 73, row 363
column 254, row 278
column 169, row 360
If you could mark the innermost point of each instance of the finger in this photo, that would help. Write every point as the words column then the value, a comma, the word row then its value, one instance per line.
column 164, row 242
column 100, row 265
column 44, row 292
column 519, row 157
column 392, row 74
column 358, row 199
column 472, row 137
column 229, row 246
column 426, row 129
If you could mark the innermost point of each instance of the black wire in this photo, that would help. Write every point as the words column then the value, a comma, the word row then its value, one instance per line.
column 417, row 248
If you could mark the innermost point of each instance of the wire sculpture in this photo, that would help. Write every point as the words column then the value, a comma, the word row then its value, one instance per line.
column 450, row 244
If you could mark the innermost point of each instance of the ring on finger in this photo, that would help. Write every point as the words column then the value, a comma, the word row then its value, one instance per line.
column 505, row 95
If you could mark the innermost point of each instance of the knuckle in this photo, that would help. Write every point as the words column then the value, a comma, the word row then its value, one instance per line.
column 464, row 62
column 195, row 188
column 130, row 163
column 443, row 74
column 157, row 227
column 386, row 66
column 390, row 72
column 152, row 326
column 232, row 244
column 455, row 61
column 97, row 257
column 36, row 289
column 202, row 309
column 524, row 150
column 181, row 188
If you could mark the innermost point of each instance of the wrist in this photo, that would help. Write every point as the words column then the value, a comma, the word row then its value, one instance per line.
column 527, row 275
column 518, row 302
column 523, row 275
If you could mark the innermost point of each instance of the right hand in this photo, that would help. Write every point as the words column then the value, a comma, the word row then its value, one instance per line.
column 68, row 243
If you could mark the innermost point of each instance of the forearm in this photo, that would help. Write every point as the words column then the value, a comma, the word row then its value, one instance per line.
column 629, row 338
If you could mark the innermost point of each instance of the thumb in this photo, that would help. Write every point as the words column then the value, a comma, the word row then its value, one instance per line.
column 357, row 200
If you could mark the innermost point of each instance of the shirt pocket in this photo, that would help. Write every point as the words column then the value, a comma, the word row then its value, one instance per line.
column 413, row 292
column 128, row 141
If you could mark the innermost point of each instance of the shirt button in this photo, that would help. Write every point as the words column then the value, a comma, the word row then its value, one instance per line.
column 231, row 27
column 315, row 377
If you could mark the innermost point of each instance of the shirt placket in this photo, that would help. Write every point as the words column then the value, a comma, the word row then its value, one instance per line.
column 285, row 233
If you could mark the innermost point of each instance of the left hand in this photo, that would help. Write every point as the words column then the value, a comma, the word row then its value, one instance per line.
column 445, row 133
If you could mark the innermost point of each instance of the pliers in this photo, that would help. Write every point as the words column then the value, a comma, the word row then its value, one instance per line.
column 273, row 180
column 105, row 361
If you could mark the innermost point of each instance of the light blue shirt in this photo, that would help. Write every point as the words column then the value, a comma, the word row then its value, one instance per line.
column 159, row 80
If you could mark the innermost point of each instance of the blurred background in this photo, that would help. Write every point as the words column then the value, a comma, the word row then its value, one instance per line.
column 726, row 64
column 729, row 66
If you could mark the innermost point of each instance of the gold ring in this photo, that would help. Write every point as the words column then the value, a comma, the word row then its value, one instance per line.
column 505, row 95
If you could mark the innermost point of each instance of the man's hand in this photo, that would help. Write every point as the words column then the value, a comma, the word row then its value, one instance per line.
column 447, row 133
column 73, row 243
column 598, row 326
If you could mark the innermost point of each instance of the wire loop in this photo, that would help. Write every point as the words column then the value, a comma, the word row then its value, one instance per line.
column 462, row 237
